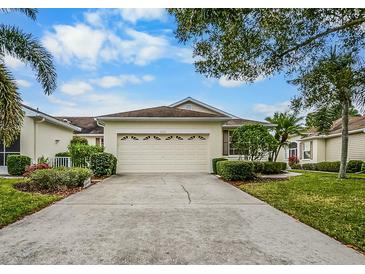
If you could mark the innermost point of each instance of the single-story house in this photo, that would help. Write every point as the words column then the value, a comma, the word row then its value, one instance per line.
column 314, row 147
column 41, row 135
column 182, row 137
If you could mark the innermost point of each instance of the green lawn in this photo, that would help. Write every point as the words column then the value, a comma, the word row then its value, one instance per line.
column 333, row 206
column 15, row 204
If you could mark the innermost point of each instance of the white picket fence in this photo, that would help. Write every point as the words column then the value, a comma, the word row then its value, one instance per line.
column 60, row 162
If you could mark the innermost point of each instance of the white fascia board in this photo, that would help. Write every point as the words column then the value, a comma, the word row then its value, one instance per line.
column 34, row 114
column 203, row 105
column 236, row 126
column 161, row 131
column 175, row 119
column 361, row 130
column 90, row 135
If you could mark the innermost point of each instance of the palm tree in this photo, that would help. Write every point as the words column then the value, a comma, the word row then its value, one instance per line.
column 286, row 124
column 25, row 47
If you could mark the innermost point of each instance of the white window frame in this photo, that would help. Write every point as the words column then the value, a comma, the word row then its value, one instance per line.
column 230, row 132
column 288, row 150
column 308, row 149
column 7, row 152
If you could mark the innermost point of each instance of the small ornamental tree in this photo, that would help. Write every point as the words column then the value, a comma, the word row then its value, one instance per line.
column 254, row 142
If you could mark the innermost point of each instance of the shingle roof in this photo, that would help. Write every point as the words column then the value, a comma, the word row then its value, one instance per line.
column 240, row 122
column 355, row 122
column 163, row 111
column 88, row 125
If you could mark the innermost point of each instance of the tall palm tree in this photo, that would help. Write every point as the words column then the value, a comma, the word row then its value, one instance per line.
column 286, row 124
column 25, row 47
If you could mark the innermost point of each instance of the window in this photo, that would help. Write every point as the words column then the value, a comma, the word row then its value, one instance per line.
column 100, row 141
column 307, row 150
column 6, row 151
column 231, row 149
column 291, row 150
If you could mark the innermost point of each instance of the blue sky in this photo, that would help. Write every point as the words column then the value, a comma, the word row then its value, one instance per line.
column 117, row 60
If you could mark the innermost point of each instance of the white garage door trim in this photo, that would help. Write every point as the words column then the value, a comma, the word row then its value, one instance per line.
column 138, row 153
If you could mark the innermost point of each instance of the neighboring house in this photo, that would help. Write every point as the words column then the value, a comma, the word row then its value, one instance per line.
column 182, row 137
column 90, row 130
column 41, row 135
column 314, row 147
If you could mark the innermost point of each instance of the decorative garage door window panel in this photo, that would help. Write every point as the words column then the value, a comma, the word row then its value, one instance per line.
column 162, row 137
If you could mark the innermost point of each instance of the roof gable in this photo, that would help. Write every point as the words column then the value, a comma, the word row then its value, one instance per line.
column 200, row 106
column 163, row 112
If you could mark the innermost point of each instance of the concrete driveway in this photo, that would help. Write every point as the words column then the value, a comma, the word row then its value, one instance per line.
column 166, row 219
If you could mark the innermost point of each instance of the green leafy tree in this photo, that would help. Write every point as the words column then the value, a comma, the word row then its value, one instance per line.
column 25, row 47
column 286, row 124
column 254, row 142
column 337, row 79
column 248, row 44
column 323, row 118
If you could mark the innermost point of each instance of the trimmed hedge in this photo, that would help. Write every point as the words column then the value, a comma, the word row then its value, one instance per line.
column 214, row 163
column 17, row 164
column 363, row 167
column 78, row 140
column 235, row 170
column 103, row 164
column 63, row 154
column 354, row 166
column 60, row 178
column 273, row 167
column 322, row 166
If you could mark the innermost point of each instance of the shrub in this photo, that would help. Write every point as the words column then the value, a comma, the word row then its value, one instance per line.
column 17, row 164
column 293, row 160
column 296, row 166
column 103, row 164
column 30, row 169
column 80, row 153
column 63, row 154
column 328, row 166
column 363, row 167
column 42, row 160
column 78, row 140
column 214, row 163
column 60, row 178
column 309, row 166
column 258, row 167
column 235, row 170
column 354, row 166
column 273, row 167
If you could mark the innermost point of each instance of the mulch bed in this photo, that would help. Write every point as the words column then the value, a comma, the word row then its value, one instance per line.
column 31, row 188
column 255, row 181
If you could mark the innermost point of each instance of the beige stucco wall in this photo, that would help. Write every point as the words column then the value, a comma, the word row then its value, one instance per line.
column 356, row 147
column 196, row 107
column 215, row 143
column 39, row 138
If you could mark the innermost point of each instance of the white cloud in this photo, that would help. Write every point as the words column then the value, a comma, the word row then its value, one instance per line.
column 270, row 109
column 79, row 42
column 225, row 82
column 110, row 81
column 134, row 15
column 76, row 88
column 61, row 102
column 23, row 83
column 13, row 62
column 87, row 46
column 94, row 104
column 93, row 18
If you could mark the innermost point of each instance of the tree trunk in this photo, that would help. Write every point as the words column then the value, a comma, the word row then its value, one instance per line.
column 276, row 153
column 345, row 139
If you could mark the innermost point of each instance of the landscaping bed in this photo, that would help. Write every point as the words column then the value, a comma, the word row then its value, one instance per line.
column 321, row 200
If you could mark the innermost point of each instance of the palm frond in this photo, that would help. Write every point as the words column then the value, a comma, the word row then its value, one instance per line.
column 11, row 114
column 31, row 13
column 26, row 48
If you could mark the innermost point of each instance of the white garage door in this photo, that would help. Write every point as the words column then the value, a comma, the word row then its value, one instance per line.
column 162, row 153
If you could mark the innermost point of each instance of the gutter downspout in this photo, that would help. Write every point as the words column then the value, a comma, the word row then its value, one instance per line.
column 35, row 138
